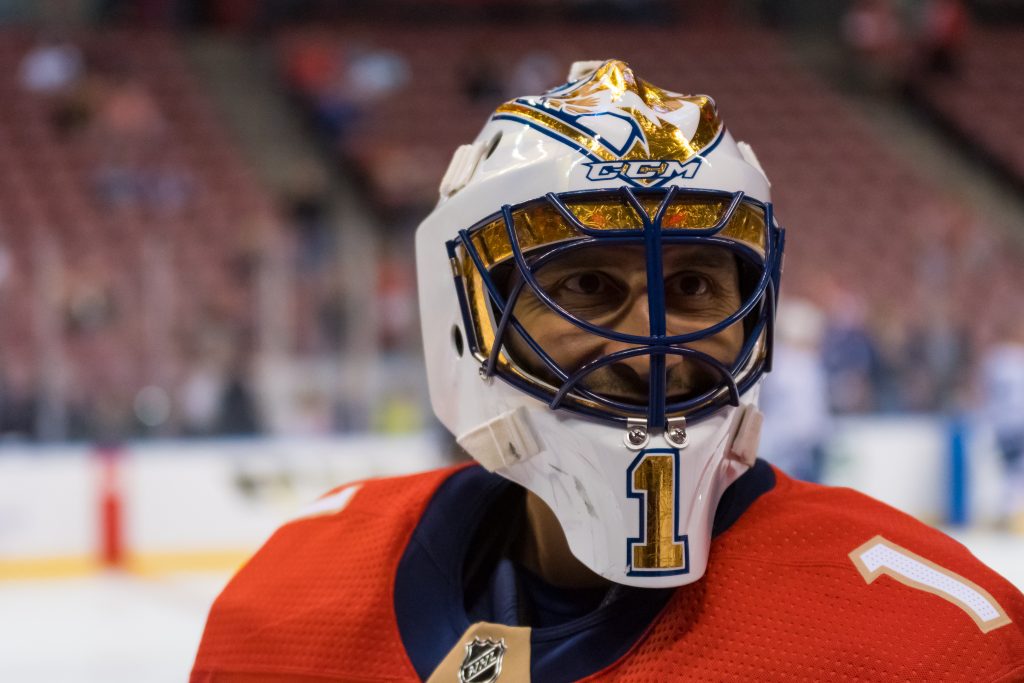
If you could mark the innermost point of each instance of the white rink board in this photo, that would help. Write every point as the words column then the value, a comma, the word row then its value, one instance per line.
column 226, row 495
column 48, row 502
column 905, row 461
column 184, row 496
column 900, row 461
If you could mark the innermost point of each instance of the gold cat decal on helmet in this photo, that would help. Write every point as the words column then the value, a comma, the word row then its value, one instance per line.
column 628, row 127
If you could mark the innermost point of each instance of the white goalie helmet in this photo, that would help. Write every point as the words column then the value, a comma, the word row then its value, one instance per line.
column 597, row 289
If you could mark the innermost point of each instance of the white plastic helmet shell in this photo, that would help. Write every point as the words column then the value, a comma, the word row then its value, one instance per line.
column 581, row 467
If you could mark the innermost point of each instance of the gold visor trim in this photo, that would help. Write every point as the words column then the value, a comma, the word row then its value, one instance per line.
column 539, row 224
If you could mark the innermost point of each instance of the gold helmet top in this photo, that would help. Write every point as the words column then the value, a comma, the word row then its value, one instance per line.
column 615, row 116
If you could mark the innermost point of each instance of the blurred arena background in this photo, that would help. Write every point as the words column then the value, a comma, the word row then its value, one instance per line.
column 207, row 305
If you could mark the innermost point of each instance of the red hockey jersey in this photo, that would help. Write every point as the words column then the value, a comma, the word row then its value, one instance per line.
column 811, row 583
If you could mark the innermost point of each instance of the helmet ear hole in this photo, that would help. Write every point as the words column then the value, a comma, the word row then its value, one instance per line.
column 457, row 341
column 492, row 145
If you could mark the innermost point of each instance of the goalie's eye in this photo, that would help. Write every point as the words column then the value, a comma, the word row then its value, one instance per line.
column 588, row 283
column 689, row 284
column 589, row 293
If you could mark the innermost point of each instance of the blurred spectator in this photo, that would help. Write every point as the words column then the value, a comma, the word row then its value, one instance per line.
column 238, row 414
column 936, row 356
column 307, row 205
column 330, row 312
column 72, row 113
column 199, row 397
column 313, row 413
column 167, row 188
column 19, row 402
column 374, row 73
column 118, row 185
column 945, row 257
column 312, row 66
column 396, row 287
column 90, row 302
column 111, row 418
column 874, row 34
column 1001, row 385
column 129, row 116
column 893, row 348
column 133, row 171
column 339, row 84
column 334, row 109
column 399, row 413
column 56, row 69
column 152, row 408
column 51, row 67
column 214, row 397
column 944, row 25
column 248, row 254
column 794, row 397
column 849, row 354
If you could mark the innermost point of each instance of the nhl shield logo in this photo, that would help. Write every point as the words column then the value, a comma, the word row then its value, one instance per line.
column 482, row 663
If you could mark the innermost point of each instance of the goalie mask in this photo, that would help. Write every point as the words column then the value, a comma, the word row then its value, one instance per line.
column 597, row 288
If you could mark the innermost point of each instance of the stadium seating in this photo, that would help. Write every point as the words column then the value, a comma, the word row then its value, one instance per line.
column 114, row 289
column 859, row 217
column 117, row 291
column 984, row 98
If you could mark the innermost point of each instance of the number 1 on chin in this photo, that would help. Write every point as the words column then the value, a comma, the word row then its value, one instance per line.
column 652, row 481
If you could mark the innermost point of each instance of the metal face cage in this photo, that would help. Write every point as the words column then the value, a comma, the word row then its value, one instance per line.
column 525, row 237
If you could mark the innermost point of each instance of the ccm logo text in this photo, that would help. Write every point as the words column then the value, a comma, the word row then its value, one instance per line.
column 647, row 172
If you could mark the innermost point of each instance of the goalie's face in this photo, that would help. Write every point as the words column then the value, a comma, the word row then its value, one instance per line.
column 619, row 304
column 607, row 286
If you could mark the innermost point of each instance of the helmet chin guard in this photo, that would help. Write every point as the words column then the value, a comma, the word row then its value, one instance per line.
column 605, row 166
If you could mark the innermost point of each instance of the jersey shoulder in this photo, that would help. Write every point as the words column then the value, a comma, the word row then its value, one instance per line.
column 875, row 577
column 321, row 585
column 811, row 523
